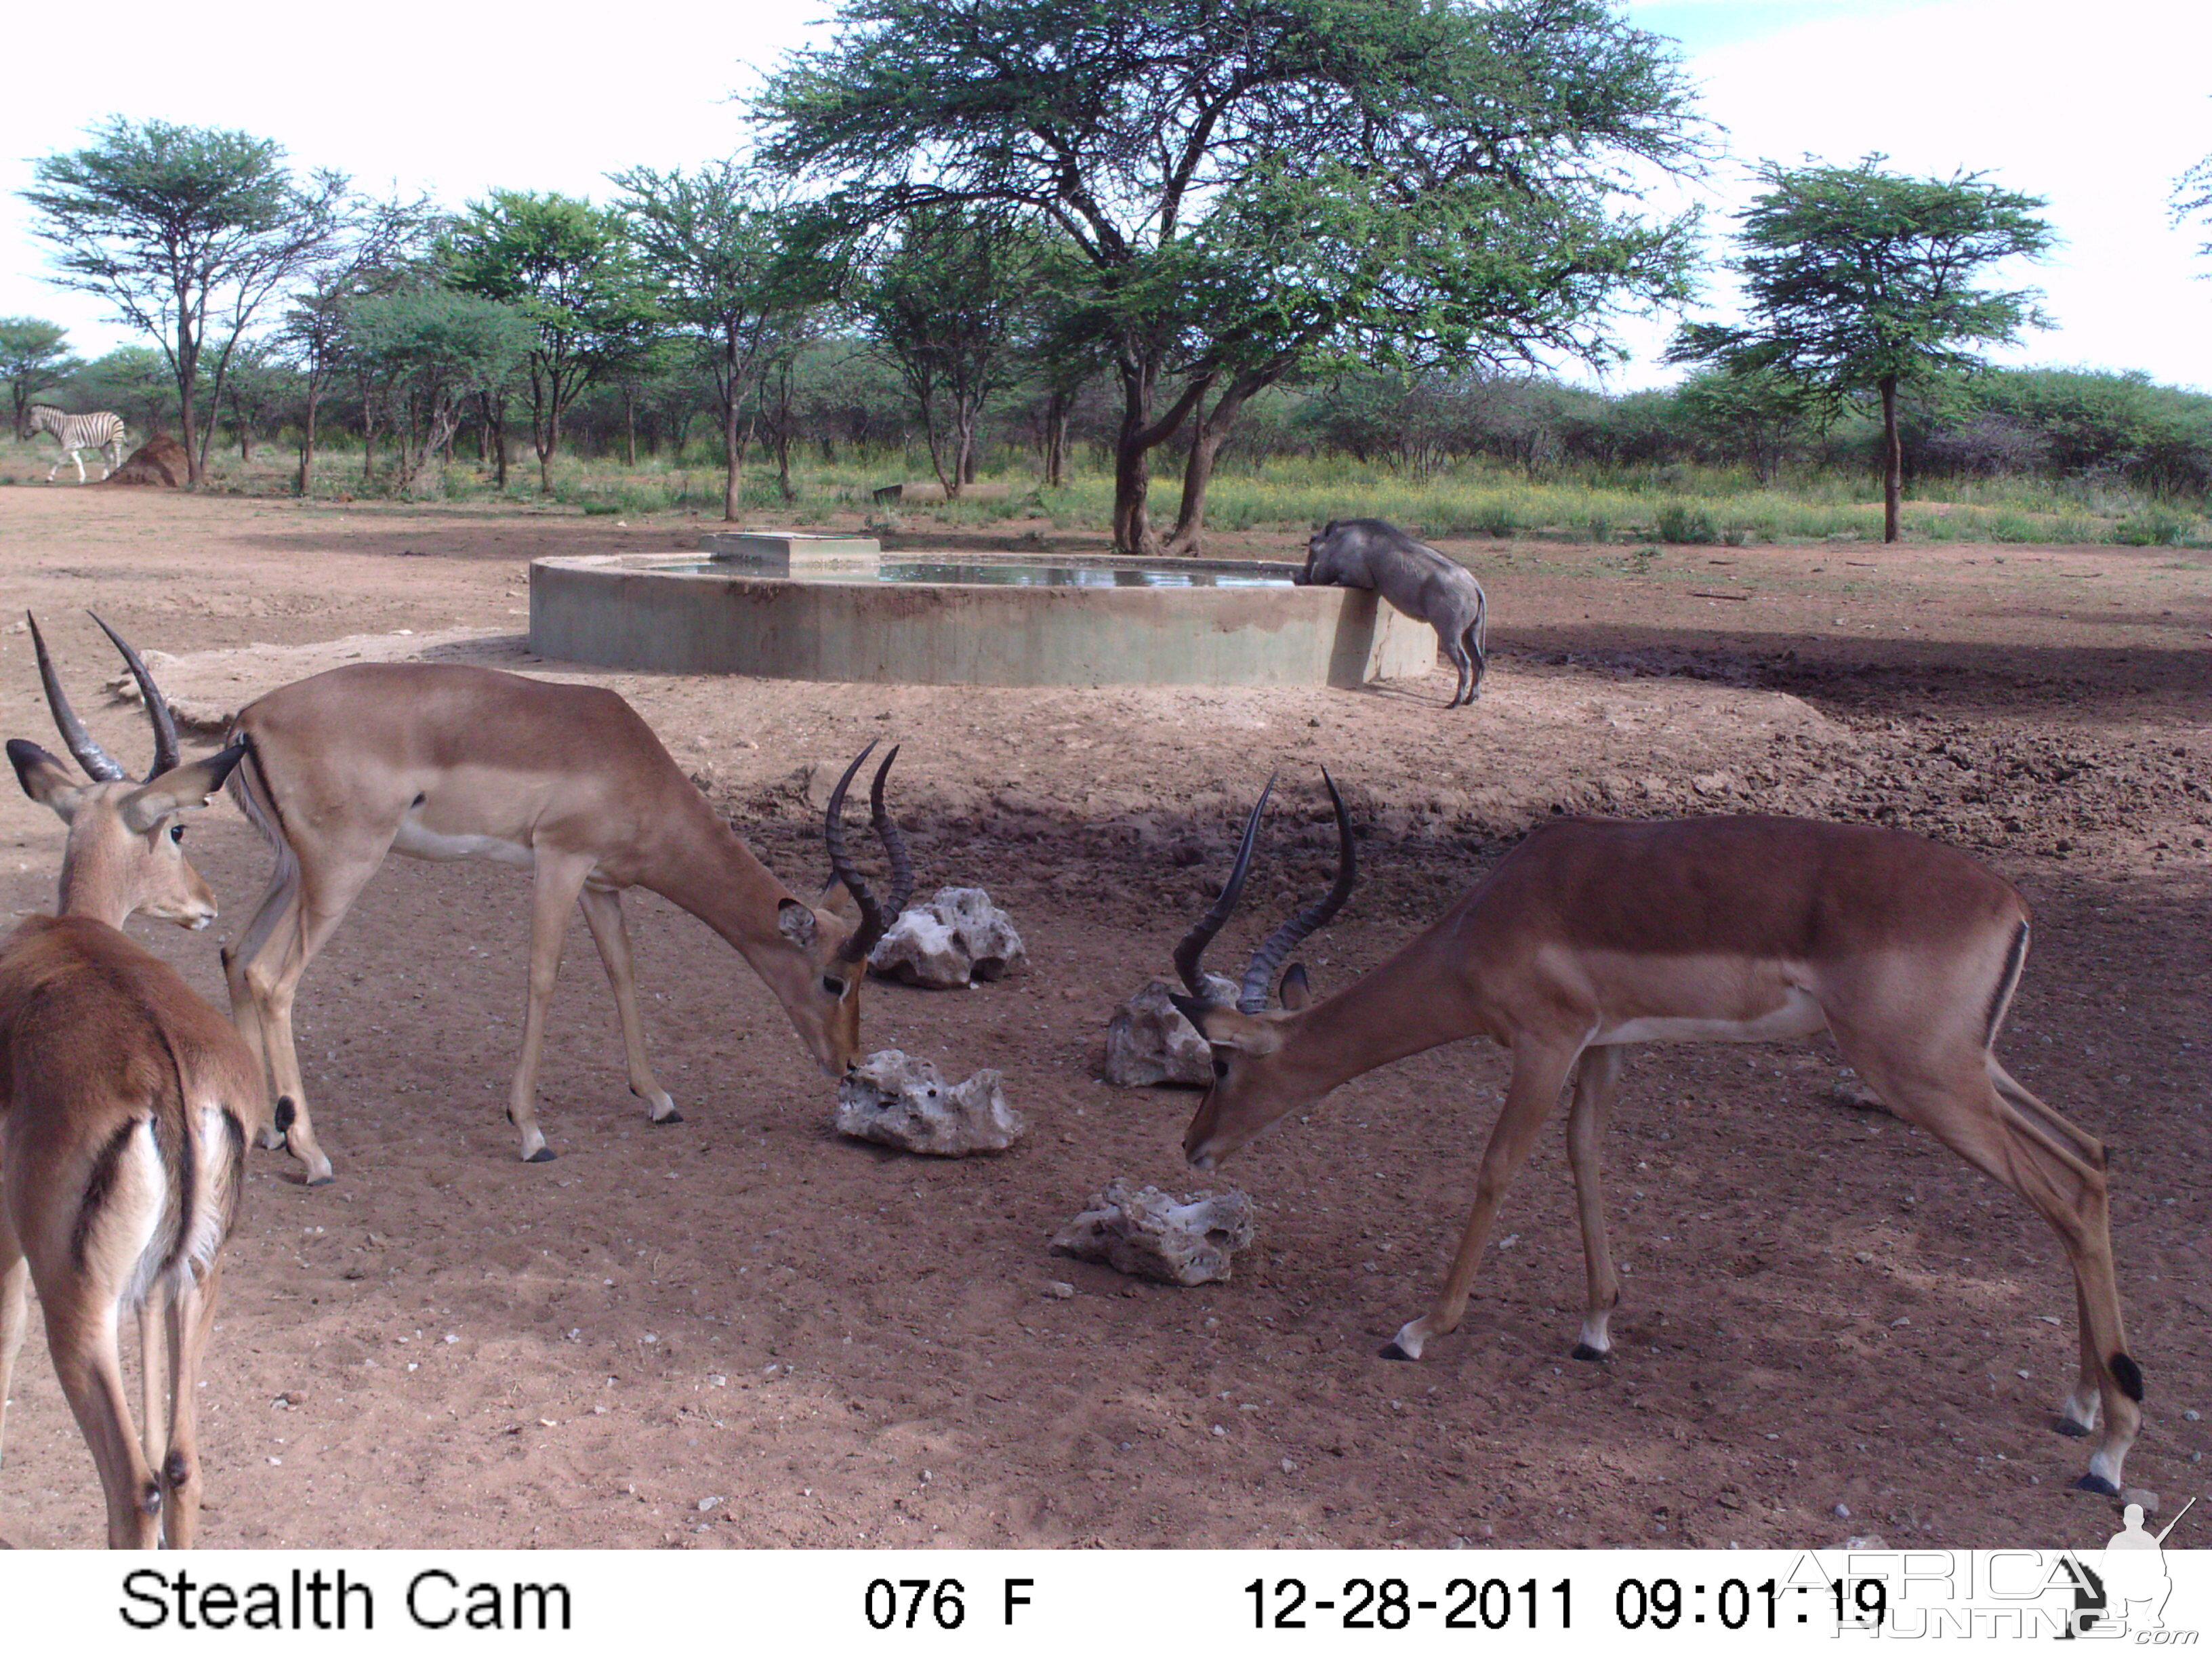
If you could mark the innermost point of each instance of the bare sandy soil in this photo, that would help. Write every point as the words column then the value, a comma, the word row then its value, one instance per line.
column 743, row 1331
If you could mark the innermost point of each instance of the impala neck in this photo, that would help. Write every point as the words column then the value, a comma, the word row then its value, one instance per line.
column 1412, row 1002
column 96, row 881
column 705, row 869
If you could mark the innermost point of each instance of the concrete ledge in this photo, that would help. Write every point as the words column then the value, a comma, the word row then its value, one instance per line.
column 621, row 611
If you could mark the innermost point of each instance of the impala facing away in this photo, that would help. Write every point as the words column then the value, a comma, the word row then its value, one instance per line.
column 440, row 761
column 125, row 1105
column 1592, row 934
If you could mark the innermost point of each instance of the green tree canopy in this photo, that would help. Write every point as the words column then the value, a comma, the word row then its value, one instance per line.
column 434, row 349
column 730, row 248
column 951, row 303
column 1859, row 281
column 186, row 232
column 1255, row 185
column 35, row 355
column 570, row 269
column 378, row 247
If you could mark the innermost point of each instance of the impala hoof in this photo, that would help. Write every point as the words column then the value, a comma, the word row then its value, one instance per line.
column 1390, row 1350
column 543, row 1155
column 322, row 1179
column 2069, row 1428
column 671, row 1115
column 1584, row 1351
column 2098, row 1484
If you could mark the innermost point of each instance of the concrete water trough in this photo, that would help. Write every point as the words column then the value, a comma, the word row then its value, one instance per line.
column 844, row 612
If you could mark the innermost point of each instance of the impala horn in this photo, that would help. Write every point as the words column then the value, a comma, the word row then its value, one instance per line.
column 873, row 922
column 1252, row 998
column 89, row 754
column 1188, row 953
column 166, row 757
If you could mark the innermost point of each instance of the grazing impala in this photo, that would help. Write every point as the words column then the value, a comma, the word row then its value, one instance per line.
column 125, row 1105
column 1593, row 934
column 439, row 761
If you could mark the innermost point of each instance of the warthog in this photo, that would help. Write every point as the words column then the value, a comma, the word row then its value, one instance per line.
column 1415, row 578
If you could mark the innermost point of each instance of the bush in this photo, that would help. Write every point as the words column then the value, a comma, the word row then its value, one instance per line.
column 1688, row 526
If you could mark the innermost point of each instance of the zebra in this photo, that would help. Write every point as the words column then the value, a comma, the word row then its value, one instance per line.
column 102, row 430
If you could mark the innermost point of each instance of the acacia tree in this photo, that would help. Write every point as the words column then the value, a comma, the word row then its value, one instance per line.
column 431, row 351
column 376, row 246
column 571, row 269
column 1753, row 414
column 729, row 248
column 35, row 355
column 1474, row 158
column 187, row 231
column 1859, row 281
column 2191, row 198
column 950, row 304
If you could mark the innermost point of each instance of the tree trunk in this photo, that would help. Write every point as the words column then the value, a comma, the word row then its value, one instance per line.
column 1205, row 443
column 629, row 426
column 733, row 460
column 1055, row 440
column 1133, row 444
column 307, row 441
column 1892, row 460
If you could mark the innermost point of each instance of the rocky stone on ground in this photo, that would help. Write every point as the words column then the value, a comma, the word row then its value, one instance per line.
column 1149, row 1235
column 956, row 939
column 1149, row 1042
column 901, row 1100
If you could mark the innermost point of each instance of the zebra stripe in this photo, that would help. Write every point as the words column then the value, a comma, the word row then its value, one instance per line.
column 102, row 430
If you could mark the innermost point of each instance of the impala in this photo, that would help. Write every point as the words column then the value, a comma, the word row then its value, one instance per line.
column 440, row 761
column 1593, row 934
column 125, row 1102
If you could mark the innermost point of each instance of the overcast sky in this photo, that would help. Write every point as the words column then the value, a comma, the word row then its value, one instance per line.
column 2096, row 108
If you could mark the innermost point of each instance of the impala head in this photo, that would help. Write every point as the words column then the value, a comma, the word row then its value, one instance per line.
column 819, row 978
column 1252, row 1086
column 126, row 852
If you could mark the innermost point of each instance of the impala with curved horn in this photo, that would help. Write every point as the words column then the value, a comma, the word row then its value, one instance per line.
column 125, row 1102
column 1593, row 934
column 440, row 761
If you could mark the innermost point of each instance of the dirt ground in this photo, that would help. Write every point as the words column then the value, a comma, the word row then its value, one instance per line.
column 745, row 1331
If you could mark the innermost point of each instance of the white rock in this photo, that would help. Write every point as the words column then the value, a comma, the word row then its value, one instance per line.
column 1149, row 1042
column 956, row 938
column 903, row 1102
column 1149, row 1235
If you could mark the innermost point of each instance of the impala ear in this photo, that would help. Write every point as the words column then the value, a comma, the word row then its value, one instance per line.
column 1224, row 1028
column 178, row 789
column 45, row 779
column 795, row 922
column 837, row 899
column 1296, row 992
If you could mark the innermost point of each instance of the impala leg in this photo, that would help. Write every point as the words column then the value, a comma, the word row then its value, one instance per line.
column 273, row 919
column 560, row 883
column 603, row 914
column 1597, row 1079
column 154, row 1375
column 1538, row 1077
column 191, row 1316
column 15, row 1314
column 1982, row 1114
column 272, row 977
column 81, row 1336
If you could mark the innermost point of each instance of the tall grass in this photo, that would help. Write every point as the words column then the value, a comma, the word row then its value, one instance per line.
column 1653, row 504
